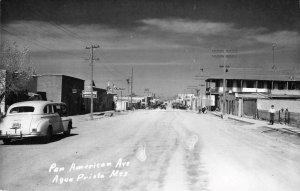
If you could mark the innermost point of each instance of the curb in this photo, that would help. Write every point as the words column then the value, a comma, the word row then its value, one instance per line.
column 281, row 129
column 96, row 115
column 216, row 114
column 284, row 130
column 241, row 120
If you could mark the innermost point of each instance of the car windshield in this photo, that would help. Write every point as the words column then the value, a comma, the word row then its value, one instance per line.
column 22, row 109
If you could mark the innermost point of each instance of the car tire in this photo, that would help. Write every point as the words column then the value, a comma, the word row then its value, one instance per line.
column 68, row 132
column 48, row 137
column 6, row 141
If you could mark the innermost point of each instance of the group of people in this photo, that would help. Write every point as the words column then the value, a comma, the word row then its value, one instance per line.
column 203, row 110
column 283, row 115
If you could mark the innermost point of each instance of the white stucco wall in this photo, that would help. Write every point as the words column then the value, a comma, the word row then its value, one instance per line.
column 292, row 105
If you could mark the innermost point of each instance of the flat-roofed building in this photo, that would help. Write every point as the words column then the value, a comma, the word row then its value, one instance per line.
column 63, row 88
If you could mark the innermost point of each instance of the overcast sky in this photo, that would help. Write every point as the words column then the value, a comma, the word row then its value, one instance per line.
column 166, row 41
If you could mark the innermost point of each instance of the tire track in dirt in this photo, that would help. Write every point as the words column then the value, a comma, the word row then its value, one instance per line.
column 195, row 174
column 149, row 175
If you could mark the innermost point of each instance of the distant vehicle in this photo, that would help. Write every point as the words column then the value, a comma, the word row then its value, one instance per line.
column 35, row 119
column 179, row 106
column 183, row 107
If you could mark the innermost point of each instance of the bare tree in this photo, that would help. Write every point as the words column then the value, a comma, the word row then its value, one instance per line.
column 15, row 69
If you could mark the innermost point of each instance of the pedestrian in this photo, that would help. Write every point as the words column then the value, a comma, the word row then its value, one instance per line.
column 280, row 115
column 272, row 114
column 203, row 110
column 286, row 116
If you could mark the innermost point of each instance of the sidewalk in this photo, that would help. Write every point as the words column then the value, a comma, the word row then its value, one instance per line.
column 96, row 115
column 255, row 122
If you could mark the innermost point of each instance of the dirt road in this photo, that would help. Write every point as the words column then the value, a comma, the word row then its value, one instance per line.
column 153, row 150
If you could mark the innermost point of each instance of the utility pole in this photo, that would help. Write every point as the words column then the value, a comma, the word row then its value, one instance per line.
column 131, row 86
column 121, row 101
column 91, row 48
column 273, row 61
column 128, row 83
column 224, row 53
column 202, row 85
column 273, row 50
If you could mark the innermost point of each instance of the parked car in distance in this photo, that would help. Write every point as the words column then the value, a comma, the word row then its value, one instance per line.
column 35, row 119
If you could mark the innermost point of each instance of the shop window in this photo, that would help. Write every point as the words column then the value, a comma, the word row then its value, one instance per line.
column 281, row 85
column 230, row 83
column 250, row 84
column 260, row 84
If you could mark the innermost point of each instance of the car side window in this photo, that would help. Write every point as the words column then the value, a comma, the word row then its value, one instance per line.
column 55, row 109
column 64, row 110
column 45, row 109
column 48, row 109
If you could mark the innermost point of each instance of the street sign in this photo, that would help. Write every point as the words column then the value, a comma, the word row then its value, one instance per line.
column 87, row 94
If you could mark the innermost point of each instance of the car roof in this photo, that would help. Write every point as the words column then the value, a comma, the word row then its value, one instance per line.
column 31, row 103
column 38, row 105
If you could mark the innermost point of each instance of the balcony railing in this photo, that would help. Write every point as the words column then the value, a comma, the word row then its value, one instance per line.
column 239, row 90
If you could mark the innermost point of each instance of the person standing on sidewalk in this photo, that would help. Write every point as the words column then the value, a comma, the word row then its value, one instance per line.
column 286, row 116
column 272, row 114
column 281, row 115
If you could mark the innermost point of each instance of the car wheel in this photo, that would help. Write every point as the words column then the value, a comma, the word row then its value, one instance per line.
column 49, row 135
column 68, row 132
column 6, row 141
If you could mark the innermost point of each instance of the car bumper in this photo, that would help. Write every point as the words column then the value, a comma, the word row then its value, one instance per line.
column 5, row 135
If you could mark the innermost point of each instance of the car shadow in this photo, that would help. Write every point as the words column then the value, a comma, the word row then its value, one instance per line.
column 40, row 140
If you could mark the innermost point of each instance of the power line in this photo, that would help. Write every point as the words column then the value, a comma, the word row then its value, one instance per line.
column 112, row 71
column 104, row 57
column 60, row 27
column 76, row 36
column 36, row 42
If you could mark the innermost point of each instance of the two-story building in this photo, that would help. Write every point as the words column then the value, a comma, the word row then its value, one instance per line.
column 185, row 99
column 242, row 92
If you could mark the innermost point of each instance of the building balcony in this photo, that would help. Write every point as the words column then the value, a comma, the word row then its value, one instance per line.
column 240, row 90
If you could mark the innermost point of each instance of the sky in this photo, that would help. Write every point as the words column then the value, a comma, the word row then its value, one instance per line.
column 166, row 42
